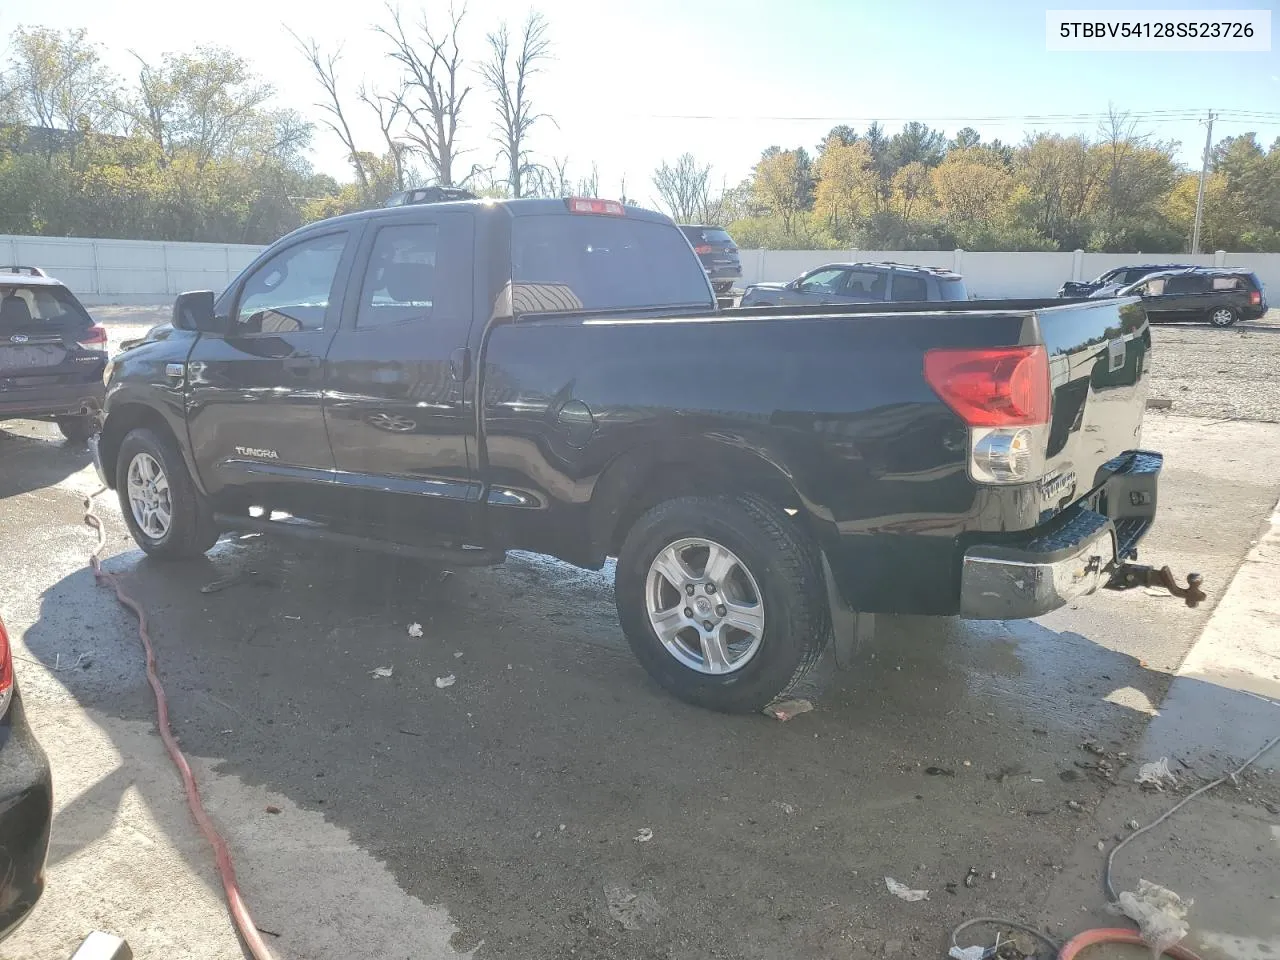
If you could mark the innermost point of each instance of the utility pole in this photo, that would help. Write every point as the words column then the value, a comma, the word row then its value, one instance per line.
column 1204, row 172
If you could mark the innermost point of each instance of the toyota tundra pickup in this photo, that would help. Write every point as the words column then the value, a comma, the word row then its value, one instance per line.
column 457, row 380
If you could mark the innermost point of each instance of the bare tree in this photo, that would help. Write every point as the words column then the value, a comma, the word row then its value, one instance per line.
column 506, row 73
column 388, row 108
column 590, row 186
column 325, row 68
column 683, row 188
column 563, row 187
column 433, row 92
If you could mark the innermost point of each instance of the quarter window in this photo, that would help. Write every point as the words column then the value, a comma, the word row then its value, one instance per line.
column 400, row 282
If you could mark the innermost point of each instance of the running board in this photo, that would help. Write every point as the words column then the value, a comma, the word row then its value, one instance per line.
column 305, row 530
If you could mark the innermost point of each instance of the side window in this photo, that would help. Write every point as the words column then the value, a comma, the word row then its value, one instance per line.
column 400, row 281
column 823, row 281
column 289, row 293
column 1228, row 283
column 909, row 286
column 866, row 284
column 1154, row 288
column 1186, row 283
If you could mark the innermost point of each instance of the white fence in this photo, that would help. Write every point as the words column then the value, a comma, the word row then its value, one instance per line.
column 129, row 271
column 1002, row 274
column 142, row 272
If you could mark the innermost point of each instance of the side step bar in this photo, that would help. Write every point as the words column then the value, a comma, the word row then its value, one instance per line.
column 305, row 530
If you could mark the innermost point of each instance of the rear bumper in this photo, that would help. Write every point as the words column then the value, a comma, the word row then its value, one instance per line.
column 1012, row 581
column 26, row 812
column 62, row 400
column 724, row 271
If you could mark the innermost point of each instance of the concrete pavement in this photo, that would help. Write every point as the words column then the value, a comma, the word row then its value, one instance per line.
column 424, row 822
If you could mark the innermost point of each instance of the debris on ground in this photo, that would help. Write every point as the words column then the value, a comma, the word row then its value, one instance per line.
column 272, row 808
column 415, row 630
column 784, row 710
column 971, row 878
column 1156, row 775
column 1092, row 746
column 938, row 772
column 1158, row 403
column 448, row 681
column 643, row 835
column 445, row 575
column 971, row 953
column 381, row 672
column 457, row 654
column 786, row 808
column 1007, row 771
column 1075, row 805
column 1132, row 824
column 632, row 910
column 250, row 577
column 903, row 892
column 1161, row 915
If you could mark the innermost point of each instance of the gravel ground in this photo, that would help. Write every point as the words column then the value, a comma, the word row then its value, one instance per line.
column 1208, row 372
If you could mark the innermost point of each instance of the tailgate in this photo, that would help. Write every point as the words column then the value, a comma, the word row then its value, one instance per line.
column 32, row 354
column 1098, row 361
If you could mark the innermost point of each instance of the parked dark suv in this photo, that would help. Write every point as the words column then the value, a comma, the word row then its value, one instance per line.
column 860, row 283
column 1117, row 278
column 52, row 354
column 1220, row 295
column 718, row 253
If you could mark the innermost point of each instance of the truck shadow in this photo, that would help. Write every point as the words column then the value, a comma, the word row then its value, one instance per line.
column 949, row 744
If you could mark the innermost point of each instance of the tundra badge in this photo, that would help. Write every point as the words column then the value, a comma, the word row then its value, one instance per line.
column 259, row 452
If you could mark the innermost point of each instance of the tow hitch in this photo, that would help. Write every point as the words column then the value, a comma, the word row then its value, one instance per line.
column 1130, row 575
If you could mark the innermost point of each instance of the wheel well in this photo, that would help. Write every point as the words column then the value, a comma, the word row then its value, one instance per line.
column 638, row 482
column 119, row 423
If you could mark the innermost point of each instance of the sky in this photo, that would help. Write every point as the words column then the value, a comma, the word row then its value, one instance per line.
column 635, row 83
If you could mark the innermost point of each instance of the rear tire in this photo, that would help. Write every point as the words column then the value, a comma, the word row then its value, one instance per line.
column 77, row 429
column 165, row 513
column 1223, row 316
column 765, row 553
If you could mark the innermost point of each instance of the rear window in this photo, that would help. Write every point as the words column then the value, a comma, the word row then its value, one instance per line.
column 39, row 303
column 573, row 262
column 716, row 235
column 953, row 288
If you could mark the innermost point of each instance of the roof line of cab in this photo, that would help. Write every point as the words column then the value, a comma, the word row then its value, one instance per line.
column 524, row 207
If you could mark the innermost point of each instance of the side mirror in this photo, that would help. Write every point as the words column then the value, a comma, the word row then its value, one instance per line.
column 194, row 311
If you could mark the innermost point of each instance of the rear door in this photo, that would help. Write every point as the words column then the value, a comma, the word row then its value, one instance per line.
column 254, row 395
column 42, row 327
column 395, row 376
column 1188, row 296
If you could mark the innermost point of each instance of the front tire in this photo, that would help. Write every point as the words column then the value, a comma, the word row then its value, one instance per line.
column 165, row 513
column 1223, row 316
column 722, row 600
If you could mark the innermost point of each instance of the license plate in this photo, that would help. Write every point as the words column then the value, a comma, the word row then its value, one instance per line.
column 30, row 358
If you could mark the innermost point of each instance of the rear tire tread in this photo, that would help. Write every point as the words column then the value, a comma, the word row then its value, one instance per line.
column 787, row 563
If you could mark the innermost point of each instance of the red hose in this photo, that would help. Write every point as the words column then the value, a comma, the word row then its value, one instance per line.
column 235, row 903
column 1089, row 938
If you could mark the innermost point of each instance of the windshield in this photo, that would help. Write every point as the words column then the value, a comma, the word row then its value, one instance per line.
column 568, row 262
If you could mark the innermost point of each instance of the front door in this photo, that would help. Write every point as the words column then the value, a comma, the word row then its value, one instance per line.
column 254, row 395
column 395, row 406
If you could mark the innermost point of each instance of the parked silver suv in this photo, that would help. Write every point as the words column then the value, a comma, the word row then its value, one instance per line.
column 860, row 283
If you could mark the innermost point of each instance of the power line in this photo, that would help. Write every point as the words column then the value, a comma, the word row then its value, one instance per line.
column 1150, row 116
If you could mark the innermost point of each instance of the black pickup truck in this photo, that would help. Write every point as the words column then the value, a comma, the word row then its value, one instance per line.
column 456, row 380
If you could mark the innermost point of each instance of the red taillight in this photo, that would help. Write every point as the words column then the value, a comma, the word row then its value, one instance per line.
column 592, row 205
column 702, row 248
column 6, row 671
column 95, row 338
column 999, row 387
column 1255, row 297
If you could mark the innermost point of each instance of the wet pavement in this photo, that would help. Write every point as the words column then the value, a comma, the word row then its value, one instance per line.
column 513, row 798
